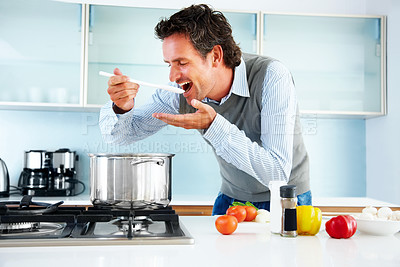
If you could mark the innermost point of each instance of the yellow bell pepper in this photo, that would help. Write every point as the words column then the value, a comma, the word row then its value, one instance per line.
column 308, row 220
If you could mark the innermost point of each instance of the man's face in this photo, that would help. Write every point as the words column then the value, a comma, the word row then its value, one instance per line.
column 188, row 68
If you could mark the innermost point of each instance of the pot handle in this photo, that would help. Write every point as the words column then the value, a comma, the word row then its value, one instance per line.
column 158, row 161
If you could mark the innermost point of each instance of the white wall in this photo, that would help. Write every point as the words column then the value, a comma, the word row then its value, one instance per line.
column 383, row 141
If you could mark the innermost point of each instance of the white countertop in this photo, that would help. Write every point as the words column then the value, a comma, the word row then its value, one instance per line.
column 251, row 245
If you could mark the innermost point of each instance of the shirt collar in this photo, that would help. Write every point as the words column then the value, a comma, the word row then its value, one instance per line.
column 240, row 86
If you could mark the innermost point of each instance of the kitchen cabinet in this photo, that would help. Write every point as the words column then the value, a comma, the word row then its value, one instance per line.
column 338, row 62
column 59, row 48
column 40, row 53
column 55, row 51
column 193, row 210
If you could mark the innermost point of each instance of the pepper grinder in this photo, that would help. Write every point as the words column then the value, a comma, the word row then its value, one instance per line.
column 289, row 214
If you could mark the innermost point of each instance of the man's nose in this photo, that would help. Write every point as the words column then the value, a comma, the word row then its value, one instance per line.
column 174, row 74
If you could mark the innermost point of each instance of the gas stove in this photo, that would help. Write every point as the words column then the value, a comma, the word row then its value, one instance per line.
column 28, row 223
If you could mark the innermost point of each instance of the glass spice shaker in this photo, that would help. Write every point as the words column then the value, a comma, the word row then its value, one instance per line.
column 275, row 206
column 289, row 214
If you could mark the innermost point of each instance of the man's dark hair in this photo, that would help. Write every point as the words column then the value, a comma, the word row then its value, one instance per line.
column 205, row 29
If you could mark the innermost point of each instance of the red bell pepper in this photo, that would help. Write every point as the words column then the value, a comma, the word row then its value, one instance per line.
column 342, row 226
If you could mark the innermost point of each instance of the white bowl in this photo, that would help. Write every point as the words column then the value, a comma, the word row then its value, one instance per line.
column 378, row 227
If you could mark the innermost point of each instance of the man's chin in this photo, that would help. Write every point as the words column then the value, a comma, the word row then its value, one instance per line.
column 188, row 101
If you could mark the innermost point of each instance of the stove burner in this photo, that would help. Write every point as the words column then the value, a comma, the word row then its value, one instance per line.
column 29, row 229
column 18, row 227
column 138, row 224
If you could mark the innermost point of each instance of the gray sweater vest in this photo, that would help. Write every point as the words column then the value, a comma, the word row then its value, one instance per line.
column 245, row 113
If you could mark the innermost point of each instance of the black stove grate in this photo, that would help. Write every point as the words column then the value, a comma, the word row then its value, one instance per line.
column 88, row 221
column 79, row 222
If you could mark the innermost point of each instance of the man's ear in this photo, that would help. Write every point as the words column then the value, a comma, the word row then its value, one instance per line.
column 217, row 55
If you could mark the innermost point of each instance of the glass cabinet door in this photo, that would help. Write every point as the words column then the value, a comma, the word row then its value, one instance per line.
column 40, row 52
column 336, row 61
column 123, row 37
column 244, row 30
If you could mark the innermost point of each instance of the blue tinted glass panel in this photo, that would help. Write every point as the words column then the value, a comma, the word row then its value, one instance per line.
column 335, row 61
column 244, row 30
column 40, row 51
column 123, row 37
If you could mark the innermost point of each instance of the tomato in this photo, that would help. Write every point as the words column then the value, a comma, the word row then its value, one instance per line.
column 238, row 211
column 342, row 226
column 251, row 213
column 226, row 224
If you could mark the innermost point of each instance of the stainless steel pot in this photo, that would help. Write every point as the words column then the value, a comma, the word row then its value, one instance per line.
column 130, row 180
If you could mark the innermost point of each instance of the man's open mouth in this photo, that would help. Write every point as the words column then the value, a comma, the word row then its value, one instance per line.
column 186, row 86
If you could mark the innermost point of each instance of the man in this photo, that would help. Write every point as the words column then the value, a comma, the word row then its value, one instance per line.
column 244, row 106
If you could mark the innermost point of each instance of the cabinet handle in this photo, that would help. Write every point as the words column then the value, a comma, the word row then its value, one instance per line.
column 91, row 12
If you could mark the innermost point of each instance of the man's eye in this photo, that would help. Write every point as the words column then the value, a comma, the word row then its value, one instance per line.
column 182, row 63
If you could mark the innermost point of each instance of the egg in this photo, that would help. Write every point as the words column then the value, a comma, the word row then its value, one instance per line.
column 262, row 217
column 262, row 211
column 371, row 210
column 395, row 215
column 385, row 213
